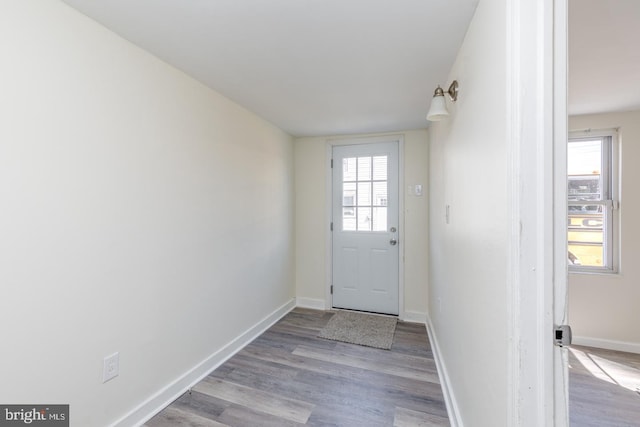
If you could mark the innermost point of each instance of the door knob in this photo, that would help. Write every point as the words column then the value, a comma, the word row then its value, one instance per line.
column 393, row 242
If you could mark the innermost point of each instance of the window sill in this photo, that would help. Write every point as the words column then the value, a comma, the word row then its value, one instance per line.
column 595, row 272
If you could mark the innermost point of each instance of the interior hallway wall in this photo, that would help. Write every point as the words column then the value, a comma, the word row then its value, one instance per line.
column 311, row 169
column 469, row 226
column 141, row 212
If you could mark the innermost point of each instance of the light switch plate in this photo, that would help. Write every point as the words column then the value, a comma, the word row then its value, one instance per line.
column 111, row 367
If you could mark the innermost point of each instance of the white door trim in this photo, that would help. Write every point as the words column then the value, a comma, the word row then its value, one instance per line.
column 535, row 96
column 329, row 205
column 560, row 133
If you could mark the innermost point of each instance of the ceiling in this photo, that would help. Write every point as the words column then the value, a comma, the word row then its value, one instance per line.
column 311, row 67
column 328, row 67
column 604, row 56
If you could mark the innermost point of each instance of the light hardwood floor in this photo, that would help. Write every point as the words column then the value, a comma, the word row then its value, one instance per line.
column 290, row 377
column 604, row 388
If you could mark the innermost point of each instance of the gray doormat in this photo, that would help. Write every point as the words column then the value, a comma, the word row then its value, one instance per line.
column 360, row 328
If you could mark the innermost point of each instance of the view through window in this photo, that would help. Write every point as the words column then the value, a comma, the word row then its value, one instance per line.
column 364, row 193
column 590, row 202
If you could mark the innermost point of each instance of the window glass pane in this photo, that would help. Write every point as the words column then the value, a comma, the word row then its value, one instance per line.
column 586, row 235
column 380, row 193
column 364, row 186
column 364, row 219
column 380, row 168
column 379, row 219
column 349, row 194
column 584, row 168
column 364, row 194
column 585, row 187
column 349, row 219
column 364, row 168
column 591, row 186
column 349, row 169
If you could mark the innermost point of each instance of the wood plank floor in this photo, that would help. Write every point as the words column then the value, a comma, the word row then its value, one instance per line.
column 604, row 388
column 290, row 377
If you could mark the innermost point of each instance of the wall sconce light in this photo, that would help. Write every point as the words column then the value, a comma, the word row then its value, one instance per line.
column 438, row 110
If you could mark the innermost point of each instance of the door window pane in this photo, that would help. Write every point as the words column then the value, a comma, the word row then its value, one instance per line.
column 364, row 168
column 379, row 219
column 364, row 219
column 380, row 194
column 349, row 169
column 364, row 193
column 380, row 168
column 349, row 219
column 349, row 194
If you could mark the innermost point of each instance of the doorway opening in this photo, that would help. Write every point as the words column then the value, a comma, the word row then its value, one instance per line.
column 365, row 227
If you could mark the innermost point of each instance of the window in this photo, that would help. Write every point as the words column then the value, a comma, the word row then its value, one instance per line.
column 592, row 207
column 364, row 193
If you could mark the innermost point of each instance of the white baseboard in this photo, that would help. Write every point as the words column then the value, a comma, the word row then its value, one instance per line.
column 629, row 347
column 449, row 397
column 171, row 392
column 414, row 317
column 313, row 303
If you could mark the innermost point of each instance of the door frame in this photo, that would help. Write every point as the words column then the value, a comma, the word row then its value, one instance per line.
column 330, row 143
column 559, row 136
column 536, row 125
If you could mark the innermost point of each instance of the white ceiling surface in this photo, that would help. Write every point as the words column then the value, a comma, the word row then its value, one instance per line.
column 311, row 67
column 604, row 56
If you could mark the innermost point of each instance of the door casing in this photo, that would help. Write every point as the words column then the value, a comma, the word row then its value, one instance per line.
column 536, row 126
column 357, row 268
column 329, row 211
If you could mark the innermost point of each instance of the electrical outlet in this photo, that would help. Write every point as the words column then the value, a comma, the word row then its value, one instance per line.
column 111, row 367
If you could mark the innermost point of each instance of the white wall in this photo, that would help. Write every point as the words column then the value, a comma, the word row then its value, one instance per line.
column 140, row 212
column 469, row 303
column 311, row 171
column 603, row 308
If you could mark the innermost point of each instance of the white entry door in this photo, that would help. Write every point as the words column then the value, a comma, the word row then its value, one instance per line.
column 365, row 227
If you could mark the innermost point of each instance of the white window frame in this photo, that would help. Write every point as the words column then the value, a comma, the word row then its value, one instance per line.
column 609, row 200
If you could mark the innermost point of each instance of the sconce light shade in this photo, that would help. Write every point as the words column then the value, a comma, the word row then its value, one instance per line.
column 438, row 110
